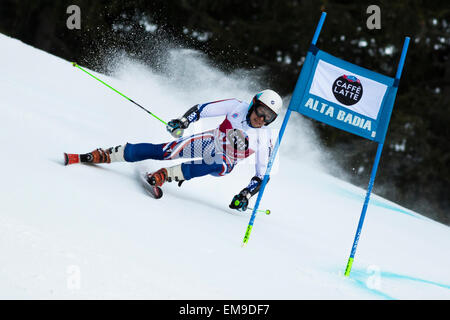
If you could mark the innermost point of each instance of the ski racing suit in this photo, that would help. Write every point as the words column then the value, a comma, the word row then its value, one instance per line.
column 220, row 149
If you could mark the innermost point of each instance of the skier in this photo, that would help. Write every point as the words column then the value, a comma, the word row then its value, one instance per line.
column 243, row 132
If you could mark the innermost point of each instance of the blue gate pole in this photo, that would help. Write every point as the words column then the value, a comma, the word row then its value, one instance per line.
column 296, row 95
column 374, row 168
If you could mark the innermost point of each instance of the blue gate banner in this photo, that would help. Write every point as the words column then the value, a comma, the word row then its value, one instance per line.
column 345, row 95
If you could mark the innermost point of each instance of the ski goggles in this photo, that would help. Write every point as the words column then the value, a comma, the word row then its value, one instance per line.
column 262, row 110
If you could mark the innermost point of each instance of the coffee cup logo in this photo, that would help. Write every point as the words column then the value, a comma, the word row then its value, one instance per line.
column 347, row 90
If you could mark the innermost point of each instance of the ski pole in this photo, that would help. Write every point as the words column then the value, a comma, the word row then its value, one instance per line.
column 76, row 65
column 237, row 202
column 265, row 211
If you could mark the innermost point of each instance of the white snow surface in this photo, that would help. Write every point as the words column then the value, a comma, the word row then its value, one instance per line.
column 91, row 232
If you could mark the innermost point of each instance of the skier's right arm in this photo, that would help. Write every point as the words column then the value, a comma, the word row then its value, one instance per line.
column 177, row 126
column 205, row 110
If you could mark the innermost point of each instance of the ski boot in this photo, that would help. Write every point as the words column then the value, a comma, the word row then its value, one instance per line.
column 170, row 174
column 156, row 179
column 112, row 154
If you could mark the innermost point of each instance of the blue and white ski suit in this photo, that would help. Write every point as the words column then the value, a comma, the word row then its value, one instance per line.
column 218, row 150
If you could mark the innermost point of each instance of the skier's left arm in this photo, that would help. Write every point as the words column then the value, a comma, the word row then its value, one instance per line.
column 263, row 153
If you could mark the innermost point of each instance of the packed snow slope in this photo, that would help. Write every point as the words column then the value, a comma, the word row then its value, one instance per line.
column 91, row 232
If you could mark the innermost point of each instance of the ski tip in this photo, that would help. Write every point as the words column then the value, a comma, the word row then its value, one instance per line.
column 158, row 192
column 74, row 64
column 154, row 191
column 70, row 158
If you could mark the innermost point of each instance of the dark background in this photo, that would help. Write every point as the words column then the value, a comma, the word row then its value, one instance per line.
column 273, row 37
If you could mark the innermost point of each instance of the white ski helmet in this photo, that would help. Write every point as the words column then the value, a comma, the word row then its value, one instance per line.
column 268, row 98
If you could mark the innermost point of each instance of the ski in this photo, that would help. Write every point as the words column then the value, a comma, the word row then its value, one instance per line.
column 153, row 191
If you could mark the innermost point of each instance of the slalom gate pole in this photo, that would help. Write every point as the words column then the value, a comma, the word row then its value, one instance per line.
column 277, row 144
column 82, row 69
column 266, row 178
column 364, row 209
column 374, row 169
